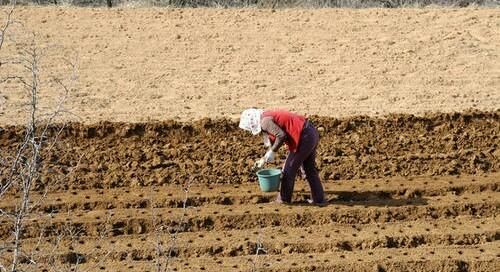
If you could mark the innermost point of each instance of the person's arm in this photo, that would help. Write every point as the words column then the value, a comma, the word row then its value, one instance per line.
column 268, row 125
column 267, row 140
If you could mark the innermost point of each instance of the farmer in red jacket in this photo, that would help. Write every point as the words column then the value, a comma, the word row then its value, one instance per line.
column 301, row 137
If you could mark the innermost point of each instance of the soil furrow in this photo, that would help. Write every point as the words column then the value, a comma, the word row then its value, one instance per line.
column 138, row 249
column 443, row 258
column 217, row 217
column 168, row 197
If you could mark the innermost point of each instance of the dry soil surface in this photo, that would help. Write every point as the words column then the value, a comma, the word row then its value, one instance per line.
column 155, row 64
column 395, row 224
column 405, row 192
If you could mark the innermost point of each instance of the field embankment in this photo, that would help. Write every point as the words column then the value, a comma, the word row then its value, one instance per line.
column 109, row 155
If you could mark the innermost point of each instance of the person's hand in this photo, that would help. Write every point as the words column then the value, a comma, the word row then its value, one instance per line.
column 259, row 164
column 269, row 156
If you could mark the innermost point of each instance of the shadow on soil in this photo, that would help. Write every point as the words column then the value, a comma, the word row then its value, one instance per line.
column 366, row 199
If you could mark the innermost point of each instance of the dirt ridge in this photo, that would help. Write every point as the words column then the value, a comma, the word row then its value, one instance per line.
column 216, row 151
column 208, row 218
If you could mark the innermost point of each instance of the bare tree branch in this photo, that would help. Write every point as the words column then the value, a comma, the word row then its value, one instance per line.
column 24, row 173
column 8, row 22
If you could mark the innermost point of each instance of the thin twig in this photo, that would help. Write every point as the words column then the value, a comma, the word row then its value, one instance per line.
column 8, row 22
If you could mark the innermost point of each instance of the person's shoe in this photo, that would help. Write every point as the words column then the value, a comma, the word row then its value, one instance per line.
column 320, row 204
column 279, row 201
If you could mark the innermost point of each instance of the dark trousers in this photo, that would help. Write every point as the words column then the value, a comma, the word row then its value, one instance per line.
column 304, row 156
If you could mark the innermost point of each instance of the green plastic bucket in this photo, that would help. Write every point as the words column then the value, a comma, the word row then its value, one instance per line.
column 269, row 179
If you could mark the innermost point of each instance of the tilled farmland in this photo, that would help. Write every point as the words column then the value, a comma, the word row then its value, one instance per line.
column 404, row 193
column 142, row 166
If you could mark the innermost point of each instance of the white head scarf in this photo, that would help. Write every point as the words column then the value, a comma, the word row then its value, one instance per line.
column 250, row 120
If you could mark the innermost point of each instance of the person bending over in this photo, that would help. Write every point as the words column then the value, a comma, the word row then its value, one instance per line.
column 301, row 137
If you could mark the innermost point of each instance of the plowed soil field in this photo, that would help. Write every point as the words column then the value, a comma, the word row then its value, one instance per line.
column 404, row 193
column 412, row 185
column 395, row 224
